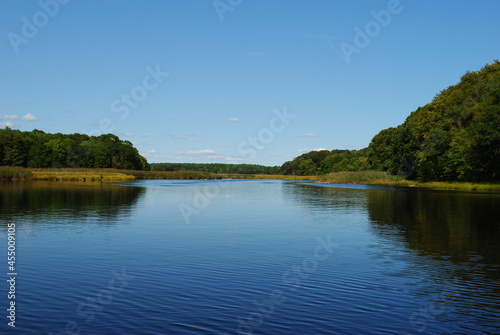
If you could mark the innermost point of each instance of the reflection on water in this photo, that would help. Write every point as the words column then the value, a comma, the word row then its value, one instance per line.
column 58, row 200
column 459, row 227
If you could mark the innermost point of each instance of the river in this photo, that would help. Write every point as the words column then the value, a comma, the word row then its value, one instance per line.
column 249, row 257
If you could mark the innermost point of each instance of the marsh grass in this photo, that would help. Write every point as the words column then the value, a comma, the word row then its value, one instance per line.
column 384, row 178
column 15, row 173
column 358, row 177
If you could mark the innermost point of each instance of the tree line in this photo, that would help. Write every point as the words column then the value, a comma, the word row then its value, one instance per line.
column 456, row 137
column 217, row 168
column 37, row 149
column 325, row 161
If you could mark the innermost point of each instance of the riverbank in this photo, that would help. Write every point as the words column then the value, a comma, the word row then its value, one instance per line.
column 115, row 175
column 384, row 178
column 103, row 175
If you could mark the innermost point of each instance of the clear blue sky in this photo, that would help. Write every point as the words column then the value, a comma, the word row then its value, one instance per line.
column 339, row 74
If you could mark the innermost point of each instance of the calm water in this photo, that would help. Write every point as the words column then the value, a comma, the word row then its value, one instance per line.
column 250, row 257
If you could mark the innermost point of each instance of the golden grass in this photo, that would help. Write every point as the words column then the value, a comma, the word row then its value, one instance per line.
column 81, row 176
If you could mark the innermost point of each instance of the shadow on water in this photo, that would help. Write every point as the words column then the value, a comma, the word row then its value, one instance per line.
column 46, row 200
column 460, row 227
column 451, row 226
column 440, row 248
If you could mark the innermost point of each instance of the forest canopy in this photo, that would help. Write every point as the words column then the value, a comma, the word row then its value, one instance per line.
column 456, row 137
column 217, row 168
column 37, row 149
column 325, row 161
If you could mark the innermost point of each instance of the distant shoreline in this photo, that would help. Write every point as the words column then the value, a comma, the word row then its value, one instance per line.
column 115, row 175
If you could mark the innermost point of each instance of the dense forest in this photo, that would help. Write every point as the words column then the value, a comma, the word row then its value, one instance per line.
column 37, row 149
column 456, row 137
column 217, row 168
column 324, row 161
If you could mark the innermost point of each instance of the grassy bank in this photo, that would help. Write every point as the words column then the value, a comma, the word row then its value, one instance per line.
column 384, row 178
column 359, row 177
column 104, row 175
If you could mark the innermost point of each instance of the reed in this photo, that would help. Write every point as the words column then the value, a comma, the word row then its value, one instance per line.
column 15, row 173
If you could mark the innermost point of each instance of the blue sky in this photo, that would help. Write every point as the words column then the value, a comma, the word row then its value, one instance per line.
column 234, row 81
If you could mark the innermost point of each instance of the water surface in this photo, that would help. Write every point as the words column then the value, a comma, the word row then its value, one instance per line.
column 245, row 256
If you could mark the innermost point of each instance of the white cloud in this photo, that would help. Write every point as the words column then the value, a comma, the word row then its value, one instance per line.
column 234, row 119
column 9, row 117
column 7, row 124
column 145, row 135
column 309, row 150
column 153, row 151
column 29, row 117
column 202, row 152
column 306, row 135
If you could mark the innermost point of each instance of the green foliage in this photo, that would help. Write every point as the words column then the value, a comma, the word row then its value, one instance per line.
column 355, row 177
column 322, row 162
column 37, row 149
column 217, row 168
column 456, row 137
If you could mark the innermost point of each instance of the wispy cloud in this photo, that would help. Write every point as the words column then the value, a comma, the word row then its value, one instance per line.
column 173, row 119
column 145, row 135
column 7, row 124
column 234, row 119
column 181, row 137
column 9, row 117
column 202, row 152
column 309, row 150
column 152, row 151
column 306, row 135
column 30, row 117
